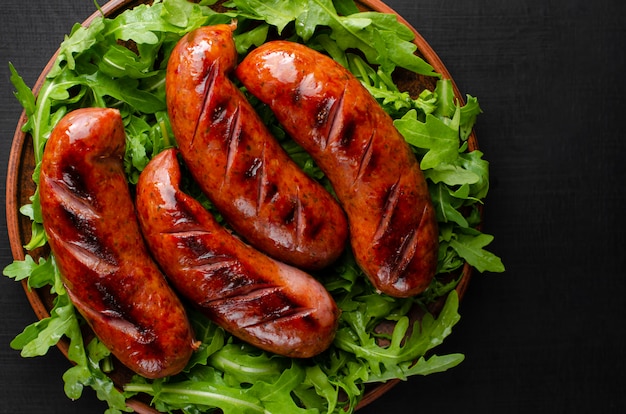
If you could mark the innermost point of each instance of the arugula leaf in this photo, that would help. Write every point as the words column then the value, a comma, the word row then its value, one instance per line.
column 275, row 12
column 473, row 162
column 381, row 38
column 253, row 37
column 80, row 38
column 242, row 364
column 37, row 338
column 208, row 390
column 88, row 372
column 119, row 61
column 182, row 14
column 318, row 381
column 423, row 366
column 469, row 112
column 470, row 248
column 441, row 140
column 452, row 175
column 20, row 270
column 23, row 93
column 392, row 361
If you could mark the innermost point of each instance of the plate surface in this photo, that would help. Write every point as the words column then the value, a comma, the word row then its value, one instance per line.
column 20, row 186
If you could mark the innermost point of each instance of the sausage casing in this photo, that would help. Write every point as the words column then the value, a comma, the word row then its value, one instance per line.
column 92, row 229
column 267, row 303
column 239, row 165
column 377, row 179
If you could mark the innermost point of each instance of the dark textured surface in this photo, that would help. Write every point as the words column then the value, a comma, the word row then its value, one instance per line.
column 546, row 336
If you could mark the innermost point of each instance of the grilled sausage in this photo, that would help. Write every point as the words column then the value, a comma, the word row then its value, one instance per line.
column 92, row 230
column 267, row 303
column 239, row 165
column 377, row 179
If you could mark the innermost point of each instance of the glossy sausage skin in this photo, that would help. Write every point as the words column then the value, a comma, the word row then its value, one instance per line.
column 239, row 165
column 267, row 303
column 92, row 230
column 376, row 177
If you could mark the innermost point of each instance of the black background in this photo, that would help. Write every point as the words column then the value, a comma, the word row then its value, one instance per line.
column 547, row 335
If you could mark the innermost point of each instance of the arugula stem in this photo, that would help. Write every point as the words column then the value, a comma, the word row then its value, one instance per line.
column 203, row 395
column 42, row 104
column 166, row 136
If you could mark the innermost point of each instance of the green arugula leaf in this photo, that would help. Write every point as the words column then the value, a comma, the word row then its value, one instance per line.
column 185, row 15
column 141, row 25
column 81, row 38
column 243, row 364
column 451, row 174
column 20, row 270
column 473, row 162
column 37, row 338
column 316, row 378
column 122, row 89
column 382, row 39
column 253, row 37
column 87, row 372
column 119, row 61
column 405, row 347
column 423, row 366
column 209, row 391
column 441, row 140
column 447, row 206
column 345, row 7
column 470, row 248
column 23, row 93
column 275, row 12
column 469, row 112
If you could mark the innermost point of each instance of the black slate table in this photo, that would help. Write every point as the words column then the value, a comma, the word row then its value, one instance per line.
column 547, row 336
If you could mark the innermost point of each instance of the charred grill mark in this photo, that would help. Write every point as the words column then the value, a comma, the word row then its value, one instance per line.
column 254, row 168
column 209, row 84
column 232, row 139
column 92, row 254
column 77, row 209
column 366, row 158
column 323, row 110
column 218, row 114
column 285, row 315
column 389, row 207
column 262, row 306
column 225, row 278
column 74, row 202
column 113, row 307
column 74, row 182
column 225, row 274
column 263, row 187
column 314, row 228
column 190, row 241
column 270, row 191
column 404, row 256
column 86, row 232
column 117, row 319
column 347, row 135
column 400, row 259
column 243, row 299
column 290, row 215
column 336, row 119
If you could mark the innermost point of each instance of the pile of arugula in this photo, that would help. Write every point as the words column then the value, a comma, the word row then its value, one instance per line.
column 96, row 68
